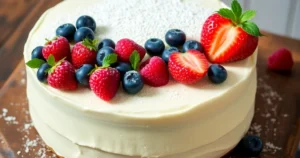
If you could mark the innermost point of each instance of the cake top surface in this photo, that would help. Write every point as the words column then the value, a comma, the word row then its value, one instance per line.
column 141, row 20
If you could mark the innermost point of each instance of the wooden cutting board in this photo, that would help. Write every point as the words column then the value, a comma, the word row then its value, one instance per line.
column 276, row 117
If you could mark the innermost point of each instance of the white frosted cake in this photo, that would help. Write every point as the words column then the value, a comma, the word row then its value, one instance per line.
column 203, row 120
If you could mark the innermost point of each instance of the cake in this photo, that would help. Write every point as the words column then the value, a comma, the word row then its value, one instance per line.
column 202, row 120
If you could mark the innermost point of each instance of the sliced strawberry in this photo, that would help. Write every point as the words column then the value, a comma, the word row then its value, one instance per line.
column 189, row 67
column 281, row 60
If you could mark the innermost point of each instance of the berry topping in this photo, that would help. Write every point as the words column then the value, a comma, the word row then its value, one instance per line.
column 107, row 43
column 82, row 74
column 217, row 73
column 59, row 47
column 189, row 67
column 61, row 75
column 125, row 47
column 167, row 52
column 105, row 81
column 42, row 72
column 191, row 44
column 132, row 82
column 175, row 37
column 154, row 47
column 281, row 60
column 84, row 53
column 250, row 146
column 67, row 31
column 155, row 72
column 37, row 52
column 102, row 53
column 229, row 36
column 122, row 67
column 83, row 33
column 86, row 21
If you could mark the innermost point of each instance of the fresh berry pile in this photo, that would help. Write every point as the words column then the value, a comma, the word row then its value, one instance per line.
column 105, row 66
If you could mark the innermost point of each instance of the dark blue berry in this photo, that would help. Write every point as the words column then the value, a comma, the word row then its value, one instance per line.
column 82, row 74
column 102, row 53
column 107, row 43
column 122, row 67
column 154, row 47
column 66, row 30
column 42, row 74
column 250, row 146
column 191, row 44
column 132, row 82
column 37, row 52
column 167, row 53
column 217, row 73
column 82, row 33
column 175, row 37
column 86, row 21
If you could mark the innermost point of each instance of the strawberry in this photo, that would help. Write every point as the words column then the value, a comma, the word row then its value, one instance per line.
column 105, row 81
column 155, row 72
column 84, row 53
column 281, row 60
column 59, row 47
column 229, row 36
column 125, row 47
column 189, row 67
column 61, row 75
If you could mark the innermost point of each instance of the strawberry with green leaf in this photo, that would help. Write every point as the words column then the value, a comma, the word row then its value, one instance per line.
column 59, row 47
column 229, row 35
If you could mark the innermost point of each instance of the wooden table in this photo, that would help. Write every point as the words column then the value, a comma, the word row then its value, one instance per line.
column 277, row 117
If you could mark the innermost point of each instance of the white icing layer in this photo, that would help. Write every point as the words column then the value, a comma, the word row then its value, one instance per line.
column 172, row 120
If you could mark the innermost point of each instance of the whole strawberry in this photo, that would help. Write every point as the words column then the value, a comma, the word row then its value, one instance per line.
column 281, row 60
column 125, row 47
column 61, row 75
column 84, row 53
column 105, row 81
column 59, row 47
column 229, row 36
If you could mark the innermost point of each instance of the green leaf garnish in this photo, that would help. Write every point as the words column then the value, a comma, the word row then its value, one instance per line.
column 248, row 15
column 251, row 28
column 51, row 60
column 109, row 59
column 35, row 63
column 135, row 59
column 227, row 13
column 90, row 44
column 236, row 8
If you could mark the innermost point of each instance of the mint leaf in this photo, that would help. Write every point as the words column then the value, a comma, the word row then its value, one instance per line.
column 248, row 15
column 51, row 60
column 35, row 63
column 134, row 59
column 251, row 28
column 236, row 8
column 227, row 13
column 109, row 59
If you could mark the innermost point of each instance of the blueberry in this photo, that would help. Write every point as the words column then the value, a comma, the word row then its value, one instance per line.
column 66, row 30
column 217, row 73
column 86, row 21
column 132, row 82
column 250, row 146
column 191, row 44
column 122, row 67
column 82, row 74
column 37, row 52
column 102, row 53
column 154, row 47
column 42, row 74
column 107, row 43
column 82, row 33
column 167, row 53
column 175, row 37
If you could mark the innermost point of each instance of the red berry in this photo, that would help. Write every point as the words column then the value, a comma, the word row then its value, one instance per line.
column 59, row 48
column 155, row 72
column 63, row 77
column 125, row 47
column 189, row 67
column 105, row 82
column 81, row 54
column 281, row 60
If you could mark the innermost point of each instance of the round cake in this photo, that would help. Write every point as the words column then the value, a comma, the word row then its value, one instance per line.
column 203, row 120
